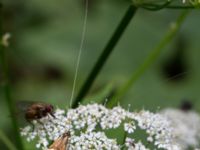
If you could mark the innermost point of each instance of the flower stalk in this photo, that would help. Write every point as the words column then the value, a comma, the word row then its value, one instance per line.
column 7, row 141
column 154, row 5
column 151, row 58
column 105, row 54
column 6, row 83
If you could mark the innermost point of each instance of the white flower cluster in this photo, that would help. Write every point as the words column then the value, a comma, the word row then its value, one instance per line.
column 92, row 140
column 186, row 125
column 131, row 145
column 89, row 124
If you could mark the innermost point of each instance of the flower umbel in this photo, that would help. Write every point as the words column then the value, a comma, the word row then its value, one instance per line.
column 186, row 125
column 88, row 124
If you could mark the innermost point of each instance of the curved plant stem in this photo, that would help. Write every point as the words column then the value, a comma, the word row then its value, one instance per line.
column 6, row 88
column 151, row 58
column 153, row 7
column 6, row 141
column 105, row 54
column 181, row 7
column 9, row 101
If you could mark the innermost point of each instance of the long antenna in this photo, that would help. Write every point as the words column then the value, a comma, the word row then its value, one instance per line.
column 80, row 51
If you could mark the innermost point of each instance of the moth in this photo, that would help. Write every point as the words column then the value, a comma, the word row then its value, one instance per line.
column 62, row 143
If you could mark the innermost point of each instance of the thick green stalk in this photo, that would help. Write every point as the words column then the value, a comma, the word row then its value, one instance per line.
column 6, row 141
column 6, row 87
column 151, row 58
column 105, row 54
column 9, row 101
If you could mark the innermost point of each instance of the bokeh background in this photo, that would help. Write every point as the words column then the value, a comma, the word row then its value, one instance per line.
column 44, row 47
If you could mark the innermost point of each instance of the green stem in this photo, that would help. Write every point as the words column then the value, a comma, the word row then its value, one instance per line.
column 6, row 141
column 149, row 60
column 124, row 139
column 153, row 7
column 182, row 7
column 105, row 54
column 10, row 103
column 7, row 88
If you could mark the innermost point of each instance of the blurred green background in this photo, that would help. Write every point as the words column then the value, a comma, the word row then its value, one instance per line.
column 44, row 48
